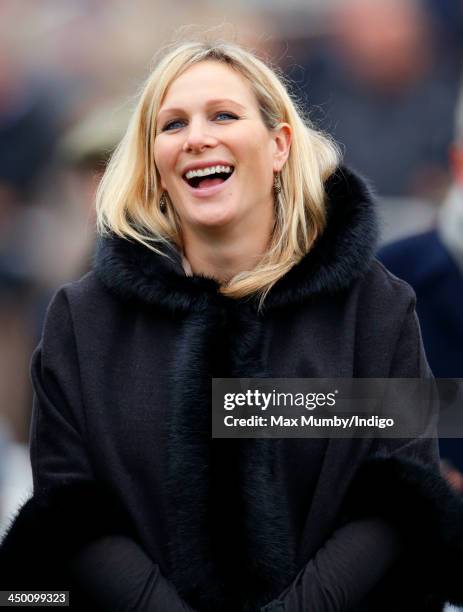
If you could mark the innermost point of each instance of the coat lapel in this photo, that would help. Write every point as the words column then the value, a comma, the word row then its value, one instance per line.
column 231, row 547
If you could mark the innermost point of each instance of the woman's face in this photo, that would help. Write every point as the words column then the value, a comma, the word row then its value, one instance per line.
column 215, row 156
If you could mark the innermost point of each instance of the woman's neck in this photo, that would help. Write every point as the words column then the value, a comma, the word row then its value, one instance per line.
column 221, row 254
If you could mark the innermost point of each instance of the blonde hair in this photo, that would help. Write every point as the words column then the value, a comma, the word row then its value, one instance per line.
column 128, row 198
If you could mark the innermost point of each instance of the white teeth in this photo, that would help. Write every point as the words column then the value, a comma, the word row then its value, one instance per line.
column 208, row 171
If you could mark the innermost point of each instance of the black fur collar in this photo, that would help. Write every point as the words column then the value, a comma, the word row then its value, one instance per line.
column 208, row 564
column 342, row 254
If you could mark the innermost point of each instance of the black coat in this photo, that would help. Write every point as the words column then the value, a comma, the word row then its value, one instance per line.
column 135, row 507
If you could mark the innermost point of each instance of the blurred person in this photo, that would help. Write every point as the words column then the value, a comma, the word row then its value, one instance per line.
column 432, row 262
column 63, row 233
column 86, row 147
column 402, row 216
column 448, row 19
column 29, row 128
column 55, row 235
column 232, row 244
column 378, row 84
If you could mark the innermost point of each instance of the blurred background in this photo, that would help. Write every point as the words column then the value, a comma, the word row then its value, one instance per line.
column 381, row 76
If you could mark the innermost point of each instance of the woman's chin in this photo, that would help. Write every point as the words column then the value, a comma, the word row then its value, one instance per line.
column 213, row 218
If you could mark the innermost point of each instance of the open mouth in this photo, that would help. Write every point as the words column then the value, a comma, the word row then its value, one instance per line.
column 208, row 177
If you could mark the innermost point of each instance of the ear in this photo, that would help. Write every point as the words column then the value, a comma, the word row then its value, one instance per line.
column 282, row 137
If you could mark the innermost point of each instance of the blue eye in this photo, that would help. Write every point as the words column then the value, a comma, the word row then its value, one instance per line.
column 224, row 116
column 173, row 125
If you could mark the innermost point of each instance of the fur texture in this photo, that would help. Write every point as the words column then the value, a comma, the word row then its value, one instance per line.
column 430, row 517
column 230, row 542
column 221, row 337
column 222, row 517
column 340, row 255
column 46, row 533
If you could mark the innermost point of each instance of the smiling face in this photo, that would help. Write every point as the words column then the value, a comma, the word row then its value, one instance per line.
column 214, row 154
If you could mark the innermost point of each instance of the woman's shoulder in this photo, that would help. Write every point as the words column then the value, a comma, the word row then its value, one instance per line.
column 85, row 292
column 380, row 284
column 384, row 301
column 85, row 301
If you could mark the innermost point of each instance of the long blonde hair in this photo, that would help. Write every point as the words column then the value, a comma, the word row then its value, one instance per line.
column 128, row 198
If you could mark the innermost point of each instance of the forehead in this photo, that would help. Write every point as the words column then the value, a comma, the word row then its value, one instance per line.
column 209, row 80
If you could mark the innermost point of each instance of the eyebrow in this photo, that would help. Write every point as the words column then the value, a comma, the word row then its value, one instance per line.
column 214, row 102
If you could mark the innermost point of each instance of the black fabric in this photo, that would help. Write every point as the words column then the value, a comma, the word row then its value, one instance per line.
column 424, row 262
column 345, row 568
column 122, row 405
column 115, row 574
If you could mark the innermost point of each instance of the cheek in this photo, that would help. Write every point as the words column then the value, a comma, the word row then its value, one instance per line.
column 260, row 148
column 161, row 176
column 164, row 163
column 261, row 160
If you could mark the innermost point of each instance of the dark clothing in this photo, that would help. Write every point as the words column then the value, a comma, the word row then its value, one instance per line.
column 425, row 263
column 123, row 458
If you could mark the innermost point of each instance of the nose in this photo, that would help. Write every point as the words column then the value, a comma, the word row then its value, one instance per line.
column 198, row 137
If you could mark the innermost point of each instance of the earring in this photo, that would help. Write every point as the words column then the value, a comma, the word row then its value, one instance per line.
column 163, row 202
column 276, row 183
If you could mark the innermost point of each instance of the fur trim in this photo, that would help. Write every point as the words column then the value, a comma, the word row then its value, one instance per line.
column 345, row 250
column 231, row 549
column 430, row 517
column 341, row 255
column 45, row 534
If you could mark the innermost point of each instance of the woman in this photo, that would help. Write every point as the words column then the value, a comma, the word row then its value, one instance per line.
column 232, row 245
